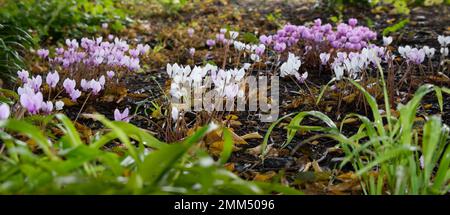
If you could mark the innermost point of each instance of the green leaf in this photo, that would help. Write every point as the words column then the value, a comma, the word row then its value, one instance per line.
column 269, row 131
column 75, row 139
column 396, row 27
column 227, row 146
column 299, row 118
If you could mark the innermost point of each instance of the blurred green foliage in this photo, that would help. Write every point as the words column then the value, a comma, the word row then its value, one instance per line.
column 58, row 19
column 62, row 162
column 172, row 6
column 399, row 6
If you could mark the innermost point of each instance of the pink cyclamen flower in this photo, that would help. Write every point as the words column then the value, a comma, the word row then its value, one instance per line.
column 31, row 101
column 266, row 40
column 85, row 85
column 23, row 75
column 192, row 52
column 133, row 64
column 4, row 111
column 72, row 43
column 47, row 107
column 110, row 74
column 43, row 53
column 416, row 56
column 143, row 49
column 110, row 37
column 105, row 25
column 134, row 52
column 118, row 116
column 52, row 79
column 69, row 85
column 190, row 32
column 95, row 87
column 301, row 78
column 102, row 81
column 59, row 51
column 25, row 89
column 75, row 94
column 35, row 83
column 210, row 43
column 220, row 37
column 353, row 22
column 279, row 47
column 318, row 22
column 259, row 50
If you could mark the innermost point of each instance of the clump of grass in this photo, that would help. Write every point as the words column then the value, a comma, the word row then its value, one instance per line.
column 391, row 155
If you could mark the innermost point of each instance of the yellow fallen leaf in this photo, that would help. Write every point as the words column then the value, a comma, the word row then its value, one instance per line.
column 216, row 148
column 315, row 142
column 234, row 123
column 347, row 176
column 254, row 135
column 350, row 120
column 427, row 106
column 231, row 117
column 264, row 176
column 350, row 98
column 68, row 102
column 229, row 166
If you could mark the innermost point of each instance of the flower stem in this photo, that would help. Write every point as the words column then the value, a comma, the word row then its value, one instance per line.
column 82, row 106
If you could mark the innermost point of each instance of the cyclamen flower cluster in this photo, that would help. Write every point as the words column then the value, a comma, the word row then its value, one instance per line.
column 221, row 38
column 355, row 62
column 32, row 99
column 255, row 51
column 347, row 36
column 417, row 55
column 93, row 85
column 412, row 55
column 226, row 82
column 96, row 52
column 180, row 76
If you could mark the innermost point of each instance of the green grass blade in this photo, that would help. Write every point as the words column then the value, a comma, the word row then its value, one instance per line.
column 70, row 130
column 299, row 118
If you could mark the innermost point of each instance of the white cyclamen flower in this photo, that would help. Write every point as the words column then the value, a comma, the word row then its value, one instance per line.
column 324, row 57
column 429, row 52
column 387, row 41
column 404, row 50
column 444, row 52
column 291, row 66
column 59, row 105
column 175, row 113
column 444, row 41
column 339, row 72
column 234, row 34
